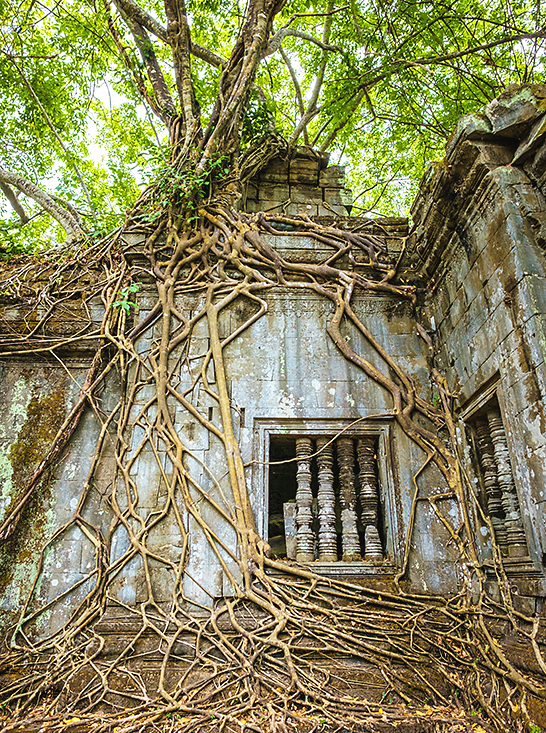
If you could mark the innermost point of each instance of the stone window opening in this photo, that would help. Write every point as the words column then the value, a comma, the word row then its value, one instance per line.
column 497, row 491
column 324, row 499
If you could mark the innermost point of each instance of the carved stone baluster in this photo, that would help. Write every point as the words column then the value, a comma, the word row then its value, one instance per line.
column 369, row 497
column 492, row 489
column 326, row 501
column 290, row 529
column 347, row 500
column 517, row 543
column 304, row 501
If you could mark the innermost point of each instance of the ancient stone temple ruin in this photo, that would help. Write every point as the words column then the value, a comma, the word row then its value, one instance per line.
column 335, row 482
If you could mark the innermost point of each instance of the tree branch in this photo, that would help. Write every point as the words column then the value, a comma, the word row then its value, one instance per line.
column 163, row 105
column 311, row 110
column 297, row 89
column 179, row 38
column 207, row 55
column 140, row 16
column 138, row 79
column 238, row 79
column 425, row 61
column 361, row 90
column 315, row 15
column 276, row 41
column 332, row 135
column 68, row 222
column 9, row 193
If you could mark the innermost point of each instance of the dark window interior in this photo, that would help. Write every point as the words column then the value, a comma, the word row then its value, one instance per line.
column 283, row 487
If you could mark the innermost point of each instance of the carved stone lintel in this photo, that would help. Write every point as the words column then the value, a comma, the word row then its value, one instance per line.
column 347, row 500
column 492, row 489
column 517, row 543
column 304, row 501
column 369, row 497
column 326, row 501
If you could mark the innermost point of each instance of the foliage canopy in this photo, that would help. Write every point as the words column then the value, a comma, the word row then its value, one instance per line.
column 90, row 91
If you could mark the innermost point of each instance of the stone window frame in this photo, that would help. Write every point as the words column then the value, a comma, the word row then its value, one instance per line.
column 265, row 428
column 491, row 390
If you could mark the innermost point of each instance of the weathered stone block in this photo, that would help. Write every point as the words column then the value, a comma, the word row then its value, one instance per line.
column 304, row 171
column 162, row 580
column 534, row 335
column 127, row 583
column 469, row 127
column 276, row 171
column 538, row 225
column 472, row 285
column 307, row 209
column 531, row 142
column 252, row 188
column 305, row 195
column 525, row 604
column 328, row 210
column 252, row 207
column 531, row 296
column 496, row 324
column 332, row 177
column 149, row 476
column 338, row 197
column 194, row 435
column 273, row 194
column 457, row 310
column 523, row 394
column 515, row 108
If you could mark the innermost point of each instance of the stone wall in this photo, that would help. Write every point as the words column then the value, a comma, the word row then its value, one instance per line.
column 476, row 255
column 302, row 183
column 479, row 235
column 287, row 378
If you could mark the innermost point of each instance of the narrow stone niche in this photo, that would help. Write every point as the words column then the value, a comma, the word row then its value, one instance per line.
column 324, row 499
column 498, row 497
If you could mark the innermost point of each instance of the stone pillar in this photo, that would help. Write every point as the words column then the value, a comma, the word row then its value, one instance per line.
column 369, row 498
column 290, row 529
column 347, row 500
column 517, row 543
column 304, row 501
column 327, row 537
column 492, row 490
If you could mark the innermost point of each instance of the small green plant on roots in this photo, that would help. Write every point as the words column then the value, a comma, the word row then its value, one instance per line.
column 124, row 296
column 182, row 187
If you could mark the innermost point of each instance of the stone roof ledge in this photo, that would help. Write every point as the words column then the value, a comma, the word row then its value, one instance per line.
column 511, row 115
column 509, row 133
